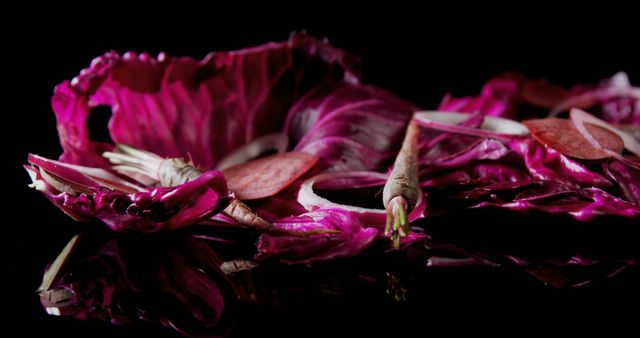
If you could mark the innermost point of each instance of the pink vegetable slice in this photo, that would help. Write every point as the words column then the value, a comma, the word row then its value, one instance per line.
column 254, row 149
column 269, row 175
column 580, row 117
column 543, row 94
column 562, row 135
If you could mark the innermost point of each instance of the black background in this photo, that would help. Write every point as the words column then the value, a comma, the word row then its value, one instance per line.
column 417, row 54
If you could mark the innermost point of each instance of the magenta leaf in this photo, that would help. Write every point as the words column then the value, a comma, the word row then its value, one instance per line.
column 82, row 197
column 201, row 110
column 351, row 238
column 351, row 127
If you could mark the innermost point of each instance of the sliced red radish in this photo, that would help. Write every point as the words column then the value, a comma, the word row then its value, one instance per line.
column 542, row 94
column 268, row 175
column 253, row 149
column 579, row 117
column 564, row 137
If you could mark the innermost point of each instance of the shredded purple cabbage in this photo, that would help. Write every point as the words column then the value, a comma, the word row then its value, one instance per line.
column 351, row 239
column 486, row 199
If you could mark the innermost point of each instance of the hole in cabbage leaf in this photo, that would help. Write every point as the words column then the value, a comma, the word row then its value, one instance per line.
column 98, row 122
column 359, row 197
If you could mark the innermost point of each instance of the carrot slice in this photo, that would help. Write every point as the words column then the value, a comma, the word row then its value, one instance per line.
column 268, row 175
column 562, row 135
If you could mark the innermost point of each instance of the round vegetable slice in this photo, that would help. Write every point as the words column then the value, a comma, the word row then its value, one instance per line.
column 562, row 135
column 580, row 117
column 542, row 94
column 268, row 175
column 253, row 149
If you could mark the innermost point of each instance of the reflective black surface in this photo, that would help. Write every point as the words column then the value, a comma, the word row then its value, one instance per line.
column 419, row 60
